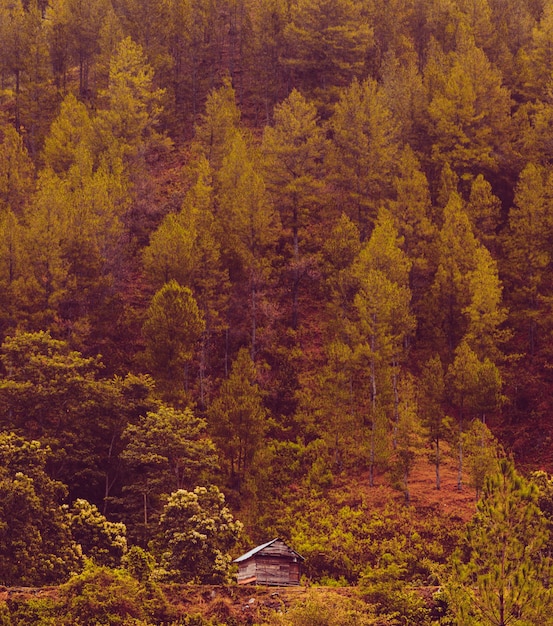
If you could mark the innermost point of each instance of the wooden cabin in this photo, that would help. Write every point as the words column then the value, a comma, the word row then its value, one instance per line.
column 273, row 563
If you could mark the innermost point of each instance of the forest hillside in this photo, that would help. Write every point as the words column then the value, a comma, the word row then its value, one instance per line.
column 276, row 268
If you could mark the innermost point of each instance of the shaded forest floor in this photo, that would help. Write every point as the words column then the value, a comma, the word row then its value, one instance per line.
column 448, row 499
column 424, row 496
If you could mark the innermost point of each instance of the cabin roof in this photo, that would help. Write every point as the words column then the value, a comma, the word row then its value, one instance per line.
column 254, row 551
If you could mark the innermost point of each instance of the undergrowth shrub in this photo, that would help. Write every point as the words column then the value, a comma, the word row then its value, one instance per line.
column 324, row 610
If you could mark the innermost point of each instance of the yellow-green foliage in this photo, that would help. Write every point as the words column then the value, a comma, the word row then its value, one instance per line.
column 321, row 610
column 342, row 540
column 103, row 596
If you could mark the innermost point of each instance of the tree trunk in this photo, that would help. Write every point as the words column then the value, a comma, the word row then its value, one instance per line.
column 460, row 473
column 438, row 478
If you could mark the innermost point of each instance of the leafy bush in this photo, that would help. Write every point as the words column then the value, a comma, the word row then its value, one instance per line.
column 139, row 563
column 342, row 540
column 29, row 612
column 36, row 547
column 101, row 540
column 385, row 588
column 103, row 596
column 197, row 533
column 331, row 610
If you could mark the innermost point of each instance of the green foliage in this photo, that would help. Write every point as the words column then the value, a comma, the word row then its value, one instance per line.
column 197, row 531
column 385, row 589
column 139, row 563
column 381, row 327
column 485, row 312
column 431, row 398
column 324, row 610
column 16, row 170
column 483, row 454
column 35, row 540
column 102, row 541
column 133, row 109
column 165, row 451
column 500, row 575
column 173, row 326
column 327, row 40
column 339, row 539
column 363, row 154
column 526, row 266
column 103, row 596
column 70, row 131
column 30, row 612
column 426, row 125
column 81, row 28
column 469, row 111
column 238, row 419
column 52, row 392
column 450, row 291
column 292, row 150
column 217, row 127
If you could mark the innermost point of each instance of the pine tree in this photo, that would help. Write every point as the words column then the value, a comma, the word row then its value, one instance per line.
column 484, row 209
column 405, row 96
column 292, row 151
column 268, row 26
column 45, row 270
column 339, row 252
column 249, row 223
column 327, row 43
column 186, row 247
column 171, row 330
column 38, row 98
column 11, row 270
column 15, row 33
column 535, row 59
column 431, row 407
column 474, row 390
column 477, row 18
column 412, row 211
column 470, row 114
column 527, row 245
column 485, row 312
column 71, row 131
column 238, row 419
column 128, row 123
column 450, row 291
column 363, row 153
column 407, row 433
column 16, row 171
column 384, row 322
column 81, row 23
column 216, row 128
column 165, row 451
column 504, row 578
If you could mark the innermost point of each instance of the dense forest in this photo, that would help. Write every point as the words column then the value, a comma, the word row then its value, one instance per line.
column 259, row 258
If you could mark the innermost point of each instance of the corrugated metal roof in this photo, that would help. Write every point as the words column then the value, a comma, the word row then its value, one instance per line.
column 254, row 551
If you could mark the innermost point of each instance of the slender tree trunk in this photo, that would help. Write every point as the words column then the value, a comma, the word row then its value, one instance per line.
column 145, row 499
column 373, row 409
column 203, row 360
column 296, row 270
column 371, row 453
column 438, row 478
column 17, row 94
column 108, row 484
column 396, row 406
column 254, row 318
column 460, row 473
